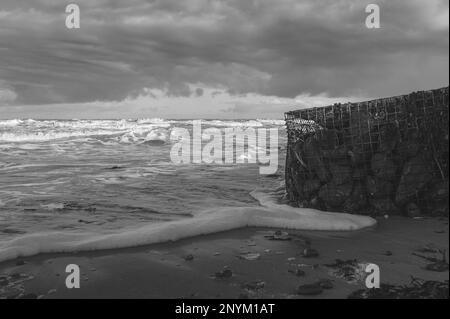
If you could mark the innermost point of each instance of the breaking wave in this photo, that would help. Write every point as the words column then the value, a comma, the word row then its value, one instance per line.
column 124, row 131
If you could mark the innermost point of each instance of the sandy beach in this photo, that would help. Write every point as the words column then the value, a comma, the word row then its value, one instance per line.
column 260, row 266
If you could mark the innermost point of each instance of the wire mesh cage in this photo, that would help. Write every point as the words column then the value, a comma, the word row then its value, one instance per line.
column 386, row 156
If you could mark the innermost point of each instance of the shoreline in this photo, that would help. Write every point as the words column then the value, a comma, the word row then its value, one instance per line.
column 268, row 215
column 260, row 267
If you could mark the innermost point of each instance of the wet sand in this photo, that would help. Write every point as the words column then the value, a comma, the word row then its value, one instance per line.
column 261, row 268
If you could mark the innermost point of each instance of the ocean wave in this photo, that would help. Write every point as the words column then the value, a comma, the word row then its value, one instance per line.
column 49, row 136
column 155, row 121
column 269, row 214
column 14, row 122
column 272, row 122
column 224, row 123
column 128, row 124
column 126, row 131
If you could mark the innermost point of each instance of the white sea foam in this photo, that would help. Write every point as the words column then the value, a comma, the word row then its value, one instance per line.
column 272, row 122
column 154, row 121
column 125, row 136
column 14, row 122
column 16, row 131
column 270, row 214
column 49, row 136
column 250, row 123
column 157, row 135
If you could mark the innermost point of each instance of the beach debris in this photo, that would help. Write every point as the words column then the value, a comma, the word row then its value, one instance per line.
column 12, row 286
column 388, row 253
column 309, row 290
column 216, row 254
column 437, row 264
column 250, row 256
column 427, row 258
column 326, row 284
column 251, row 243
column 313, row 266
column 417, row 289
column 351, row 270
column 279, row 235
column 189, row 257
column 253, row 285
column 429, row 248
column 291, row 259
column 310, row 253
column 297, row 272
column 226, row 273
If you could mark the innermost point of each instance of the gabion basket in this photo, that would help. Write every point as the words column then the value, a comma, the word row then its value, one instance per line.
column 386, row 156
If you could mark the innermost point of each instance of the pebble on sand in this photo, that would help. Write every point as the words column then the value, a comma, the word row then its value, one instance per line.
column 224, row 274
column 310, row 253
column 250, row 256
column 309, row 290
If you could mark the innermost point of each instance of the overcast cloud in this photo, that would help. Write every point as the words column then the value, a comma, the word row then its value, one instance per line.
column 213, row 58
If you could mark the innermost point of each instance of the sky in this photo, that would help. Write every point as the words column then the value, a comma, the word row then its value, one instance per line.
column 214, row 58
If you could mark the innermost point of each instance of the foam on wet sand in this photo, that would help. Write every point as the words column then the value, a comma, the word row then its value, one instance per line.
column 270, row 214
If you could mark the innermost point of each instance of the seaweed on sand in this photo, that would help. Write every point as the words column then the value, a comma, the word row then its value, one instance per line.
column 437, row 264
column 417, row 289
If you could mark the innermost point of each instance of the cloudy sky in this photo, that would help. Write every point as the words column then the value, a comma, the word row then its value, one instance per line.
column 213, row 58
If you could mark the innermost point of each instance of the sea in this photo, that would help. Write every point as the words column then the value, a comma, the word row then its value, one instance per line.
column 77, row 185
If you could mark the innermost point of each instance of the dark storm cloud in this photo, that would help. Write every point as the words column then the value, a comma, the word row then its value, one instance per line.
column 281, row 48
